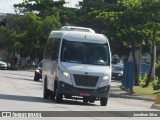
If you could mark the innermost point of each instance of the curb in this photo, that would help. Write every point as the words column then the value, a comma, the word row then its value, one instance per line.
column 124, row 94
column 156, row 106
column 131, row 97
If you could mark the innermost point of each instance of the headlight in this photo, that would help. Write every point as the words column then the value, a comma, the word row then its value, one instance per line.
column 37, row 70
column 67, row 75
column 105, row 77
column 119, row 74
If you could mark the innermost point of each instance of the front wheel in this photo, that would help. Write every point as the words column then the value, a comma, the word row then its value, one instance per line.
column 36, row 78
column 46, row 92
column 59, row 97
column 103, row 101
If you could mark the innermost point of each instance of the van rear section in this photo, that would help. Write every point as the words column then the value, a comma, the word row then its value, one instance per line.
column 77, row 65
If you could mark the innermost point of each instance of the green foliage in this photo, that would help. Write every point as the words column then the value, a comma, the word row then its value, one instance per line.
column 105, row 5
column 142, row 80
column 156, row 83
column 9, row 39
column 28, row 33
column 127, row 23
column 68, row 16
column 41, row 7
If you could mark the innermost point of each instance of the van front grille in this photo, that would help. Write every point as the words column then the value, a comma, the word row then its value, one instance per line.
column 85, row 80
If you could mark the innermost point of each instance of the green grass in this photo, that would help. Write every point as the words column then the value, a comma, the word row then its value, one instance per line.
column 145, row 92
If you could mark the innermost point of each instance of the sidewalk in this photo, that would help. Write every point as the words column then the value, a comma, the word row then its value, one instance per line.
column 117, row 91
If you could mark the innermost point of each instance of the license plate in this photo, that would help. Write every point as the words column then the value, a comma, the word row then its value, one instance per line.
column 84, row 94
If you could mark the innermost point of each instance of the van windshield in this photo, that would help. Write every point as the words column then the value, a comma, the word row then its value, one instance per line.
column 85, row 53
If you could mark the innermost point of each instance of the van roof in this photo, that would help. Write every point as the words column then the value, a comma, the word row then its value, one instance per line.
column 75, row 28
column 79, row 36
column 85, row 37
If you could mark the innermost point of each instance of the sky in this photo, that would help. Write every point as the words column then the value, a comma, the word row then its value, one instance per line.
column 6, row 6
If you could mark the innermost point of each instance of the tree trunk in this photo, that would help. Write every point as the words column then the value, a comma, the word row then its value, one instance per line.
column 12, row 59
column 139, row 63
column 136, row 67
column 150, row 74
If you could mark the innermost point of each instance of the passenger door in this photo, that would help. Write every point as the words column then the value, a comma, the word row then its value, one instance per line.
column 51, row 60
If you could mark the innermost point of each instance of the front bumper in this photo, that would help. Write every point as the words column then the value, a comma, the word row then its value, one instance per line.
column 67, row 89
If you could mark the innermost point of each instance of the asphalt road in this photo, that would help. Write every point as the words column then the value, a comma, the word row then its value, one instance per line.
column 18, row 92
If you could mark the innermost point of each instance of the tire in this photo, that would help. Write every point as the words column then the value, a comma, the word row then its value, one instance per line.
column 36, row 78
column 103, row 101
column 59, row 97
column 46, row 92
column 52, row 95
column 85, row 99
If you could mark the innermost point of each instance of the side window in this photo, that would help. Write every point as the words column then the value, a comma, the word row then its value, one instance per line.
column 52, row 48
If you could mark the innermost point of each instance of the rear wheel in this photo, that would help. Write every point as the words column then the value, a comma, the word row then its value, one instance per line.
column 36, row 78
column 52, row 95
column 103, row 101
column 46, row 92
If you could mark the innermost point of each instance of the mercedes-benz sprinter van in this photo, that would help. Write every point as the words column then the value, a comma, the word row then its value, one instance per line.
column 77, row 65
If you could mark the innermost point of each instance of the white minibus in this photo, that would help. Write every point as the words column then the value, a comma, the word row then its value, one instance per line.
column 77, row 65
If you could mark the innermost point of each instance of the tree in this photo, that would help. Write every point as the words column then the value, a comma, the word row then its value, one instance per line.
column 68, row 16
column 126, row 24
column 41, row 7
column 101, row 15
column 132, row 29
column 140, row 14
column 91, row 5
column 9, row 40
column 155, row 38
column 152, row 15
column 35, row 32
